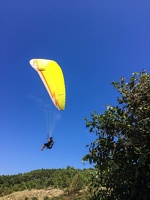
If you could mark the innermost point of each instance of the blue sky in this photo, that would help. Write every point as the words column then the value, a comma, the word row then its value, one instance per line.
column 94, row 41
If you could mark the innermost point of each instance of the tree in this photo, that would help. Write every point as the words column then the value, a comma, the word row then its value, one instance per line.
column 121, row 151
column 77, row 184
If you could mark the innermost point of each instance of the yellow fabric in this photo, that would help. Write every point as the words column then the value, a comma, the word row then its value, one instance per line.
column 53, row 79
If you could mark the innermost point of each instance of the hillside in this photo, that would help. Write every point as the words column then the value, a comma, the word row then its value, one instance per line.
column 33, row 194
column 45, row 183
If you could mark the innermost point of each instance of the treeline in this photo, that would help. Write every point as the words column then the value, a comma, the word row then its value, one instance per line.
column 69, row 178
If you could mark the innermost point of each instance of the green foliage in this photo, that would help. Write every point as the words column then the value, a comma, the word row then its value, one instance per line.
column 70, row 178
column 121, row 152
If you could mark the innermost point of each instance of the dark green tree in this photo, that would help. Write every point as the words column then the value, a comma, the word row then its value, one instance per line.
column 121, row 151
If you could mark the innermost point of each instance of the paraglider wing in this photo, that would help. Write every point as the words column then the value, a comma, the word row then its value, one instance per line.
column 53, row 79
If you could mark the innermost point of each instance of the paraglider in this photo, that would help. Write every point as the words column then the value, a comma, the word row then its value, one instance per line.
column 49, row 144
column 52, row 77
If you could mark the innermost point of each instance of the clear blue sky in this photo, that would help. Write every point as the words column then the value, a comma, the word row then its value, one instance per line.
column 94, row 41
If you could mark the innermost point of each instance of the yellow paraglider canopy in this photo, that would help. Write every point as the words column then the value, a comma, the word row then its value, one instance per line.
column 53, row 79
